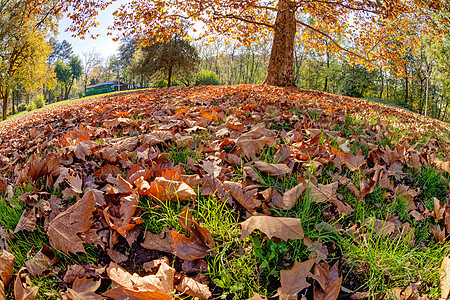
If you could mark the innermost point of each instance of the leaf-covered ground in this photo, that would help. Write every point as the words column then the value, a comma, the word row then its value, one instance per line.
column 224, row 192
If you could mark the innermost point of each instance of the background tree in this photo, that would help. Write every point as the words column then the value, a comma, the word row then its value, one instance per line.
column 92, row 60
column 176, row 57
column 24, row 26
column 67, row 74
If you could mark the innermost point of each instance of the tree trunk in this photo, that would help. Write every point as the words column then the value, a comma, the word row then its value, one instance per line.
column 5, row 104
column 426, row 98
column 169, row 77
column 325, row 87
column 382, row 84
column 406, row 90
column 281, row 62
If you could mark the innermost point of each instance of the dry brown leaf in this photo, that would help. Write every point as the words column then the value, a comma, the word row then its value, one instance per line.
column 291, row 196
column 193, row 288
column 293, row 281
column 83, row 289
column 6, row 271
column 236, row 191
column 62, row 230
column 275, row 170
column 23, row 291
column 73, row 272
column 148, row 287
column 27, row 221
column 76, row 183
column 322, row 193
column 438, row 210
column 329, row 281
column 438, row 233
column 282, row 228
column 194, row 266
column 42, row 261
column 163, row 189
column 445, row 277
column 125, row 220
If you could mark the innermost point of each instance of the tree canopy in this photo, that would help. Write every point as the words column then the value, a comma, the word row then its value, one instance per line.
column 364, row 31
column 24, row 26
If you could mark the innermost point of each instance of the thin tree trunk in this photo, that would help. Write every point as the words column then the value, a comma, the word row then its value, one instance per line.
column 406, row 90
column 5, row 104
column 325, row 88
column 382, row 84
column 426, row 98
column 169, row 77
column 281, row 62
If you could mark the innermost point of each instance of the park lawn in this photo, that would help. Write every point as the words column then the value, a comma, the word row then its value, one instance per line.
column 226, row 192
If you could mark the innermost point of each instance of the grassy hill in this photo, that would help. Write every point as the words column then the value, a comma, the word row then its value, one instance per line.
column 226, row 191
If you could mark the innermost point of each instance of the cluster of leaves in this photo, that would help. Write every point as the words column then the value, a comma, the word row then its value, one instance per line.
column 212, row 191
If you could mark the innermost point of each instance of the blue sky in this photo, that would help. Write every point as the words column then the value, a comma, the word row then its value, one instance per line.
column 103, row 44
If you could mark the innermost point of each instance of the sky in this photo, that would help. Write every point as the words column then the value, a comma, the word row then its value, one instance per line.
column 103, row 44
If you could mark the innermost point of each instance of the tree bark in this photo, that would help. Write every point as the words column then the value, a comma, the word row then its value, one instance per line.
column 5, row 104
column 406, row 90
column 169, row 77
column 281, row 62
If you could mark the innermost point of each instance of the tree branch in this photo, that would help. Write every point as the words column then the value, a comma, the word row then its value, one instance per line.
column 332, row 40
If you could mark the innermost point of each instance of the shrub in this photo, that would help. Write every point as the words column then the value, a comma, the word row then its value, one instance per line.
column 39, row 102
column 21, row 107
column 207, row 78
column 159, row 83
column 30, row 106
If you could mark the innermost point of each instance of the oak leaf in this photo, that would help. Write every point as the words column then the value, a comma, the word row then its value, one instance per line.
column 83, row 289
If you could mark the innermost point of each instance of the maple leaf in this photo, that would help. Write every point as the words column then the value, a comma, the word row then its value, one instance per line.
column 63, row 228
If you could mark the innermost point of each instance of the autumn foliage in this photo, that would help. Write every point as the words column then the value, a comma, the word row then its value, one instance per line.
column 365, row 32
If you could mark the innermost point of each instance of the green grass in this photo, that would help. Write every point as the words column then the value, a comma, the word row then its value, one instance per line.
column 389, row 262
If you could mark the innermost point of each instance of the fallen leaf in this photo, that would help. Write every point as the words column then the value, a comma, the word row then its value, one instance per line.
column 438, row 233
column 83, row 289
column 293, row 281
column 329, row 281
column 63, row 228
column 23, row 291
column 148, row 287
column 283, row 228
column 445, row 277
column 42, row 261
column 291, row 196
column 27, row 221
column 163, row 189
column 276, row 170
column 6, row 271
column 193, row 288
column 75, row 183
column 236, row 191
column 322, row 193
